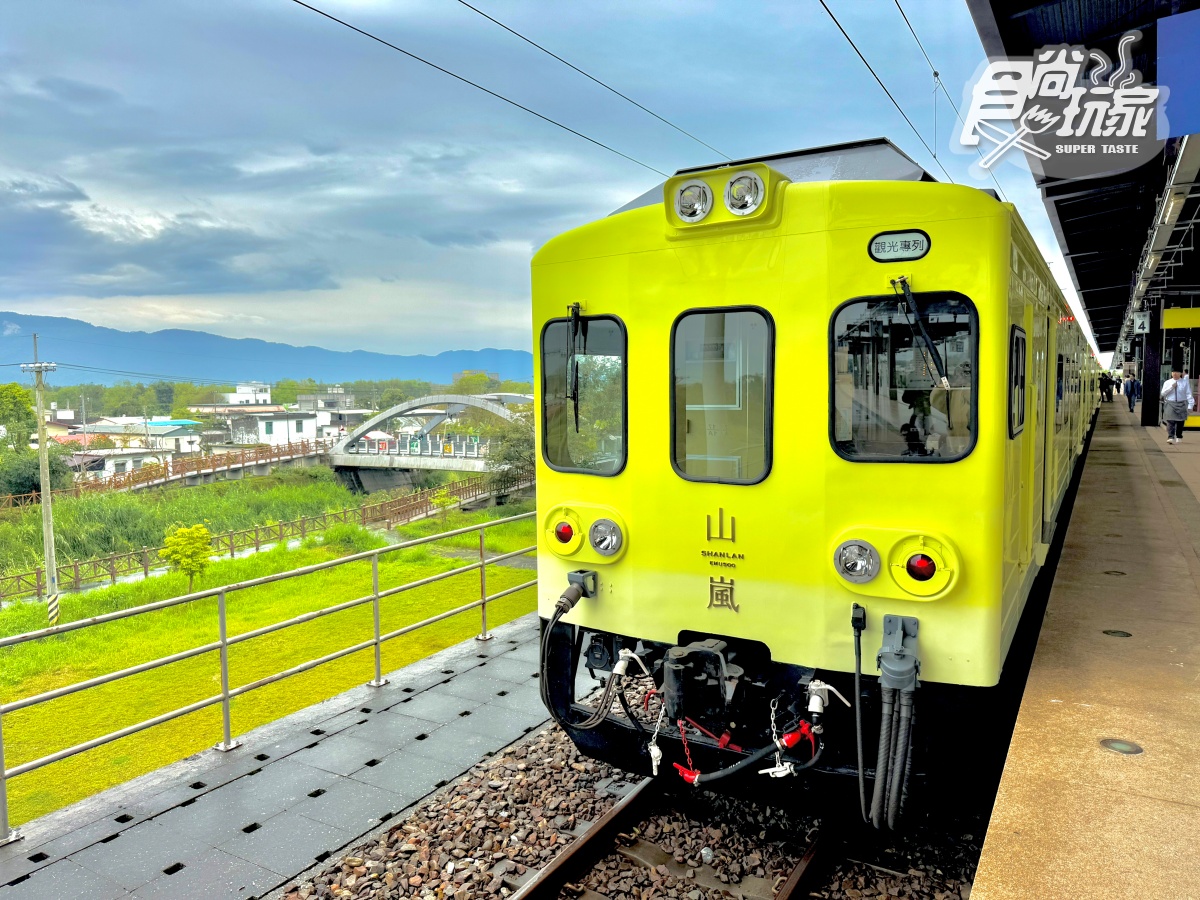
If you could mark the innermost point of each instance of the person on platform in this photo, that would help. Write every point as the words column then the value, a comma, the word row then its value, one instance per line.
column 1133, row 390
column 1106, row 388
column 1177, row 400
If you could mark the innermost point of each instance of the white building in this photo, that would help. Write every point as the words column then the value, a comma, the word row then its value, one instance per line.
column 275, row 429
column 252, row 393
column 175, row 435
column 117, row 462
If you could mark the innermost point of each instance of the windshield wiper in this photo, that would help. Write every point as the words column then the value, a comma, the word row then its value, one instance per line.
column 576, row 329
column 916, row 314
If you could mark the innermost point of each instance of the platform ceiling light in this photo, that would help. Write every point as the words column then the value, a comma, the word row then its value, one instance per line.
column 744, row 193
column 856, row 561
column 605, row 537
column 693, row 201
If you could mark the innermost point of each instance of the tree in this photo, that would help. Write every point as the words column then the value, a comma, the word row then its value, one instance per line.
column 16, row 415
column 20, row 472
column 164, row 396
column 512, row 450
column 94, row 442
column 443, row 500
column 476, row 383
column 187, row 550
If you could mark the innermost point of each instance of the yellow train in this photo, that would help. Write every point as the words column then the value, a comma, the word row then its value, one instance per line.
column 781, row 413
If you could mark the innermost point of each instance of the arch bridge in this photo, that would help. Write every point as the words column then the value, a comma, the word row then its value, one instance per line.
column 421, row 450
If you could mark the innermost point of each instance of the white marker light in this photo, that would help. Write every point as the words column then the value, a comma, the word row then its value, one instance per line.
column 744, row 193
column 693, row 201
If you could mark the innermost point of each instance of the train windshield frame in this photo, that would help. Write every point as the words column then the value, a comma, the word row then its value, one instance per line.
column 722, row 394
column 885, row 400
column 585, row 395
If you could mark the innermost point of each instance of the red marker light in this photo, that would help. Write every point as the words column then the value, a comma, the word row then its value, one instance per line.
column 921, row 567
column 564, row 532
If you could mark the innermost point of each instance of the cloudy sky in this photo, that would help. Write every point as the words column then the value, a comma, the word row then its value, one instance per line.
column 249, row 168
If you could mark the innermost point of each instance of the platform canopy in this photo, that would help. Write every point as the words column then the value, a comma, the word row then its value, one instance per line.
column 1118, row 259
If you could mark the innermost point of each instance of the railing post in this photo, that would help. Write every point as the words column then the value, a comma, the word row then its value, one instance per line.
column 378, row 680
column 145, row 562
column 7, row 834
column 229, row 743
column 483, row 635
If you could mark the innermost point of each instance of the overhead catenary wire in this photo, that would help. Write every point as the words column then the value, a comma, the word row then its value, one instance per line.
column 607, row 87
column 181, row 379
column 879, row 81
column 480, row 87
column 941, row 84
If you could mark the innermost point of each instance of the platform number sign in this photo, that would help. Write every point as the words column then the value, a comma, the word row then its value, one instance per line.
column 1124, row 346
column 1141, row 323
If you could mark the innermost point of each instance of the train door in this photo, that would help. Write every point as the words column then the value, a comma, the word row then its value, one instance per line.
column 1054, row 376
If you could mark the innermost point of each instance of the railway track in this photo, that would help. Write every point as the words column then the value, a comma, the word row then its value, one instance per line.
column 615, row 834
column 539, row 820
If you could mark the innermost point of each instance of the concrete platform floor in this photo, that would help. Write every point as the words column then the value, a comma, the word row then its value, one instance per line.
column 242, row 823
column 1073, row 819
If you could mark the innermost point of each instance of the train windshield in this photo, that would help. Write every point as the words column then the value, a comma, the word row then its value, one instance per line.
column 721, row 371
column 583, row 395
column 888, row 402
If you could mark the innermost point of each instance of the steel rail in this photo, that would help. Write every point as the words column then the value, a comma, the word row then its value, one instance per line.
column 803, row 876
column 578, row 856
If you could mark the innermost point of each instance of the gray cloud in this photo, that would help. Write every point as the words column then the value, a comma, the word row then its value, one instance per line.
column 230, row 163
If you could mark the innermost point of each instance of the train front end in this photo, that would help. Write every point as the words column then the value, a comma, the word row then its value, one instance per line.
column 758, row 410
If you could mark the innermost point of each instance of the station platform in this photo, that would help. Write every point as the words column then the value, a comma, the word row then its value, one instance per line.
column 242, row 823
column 1118, row 658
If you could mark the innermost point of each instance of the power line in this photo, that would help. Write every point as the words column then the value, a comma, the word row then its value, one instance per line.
column 183, row 379
column 879, row 81
column 480, row 87
column 602, row 84
column 942, row 85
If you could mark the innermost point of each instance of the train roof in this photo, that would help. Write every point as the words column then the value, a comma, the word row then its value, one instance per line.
column 874, row 159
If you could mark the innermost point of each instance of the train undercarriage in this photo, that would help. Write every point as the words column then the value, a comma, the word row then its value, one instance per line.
column 716, row 711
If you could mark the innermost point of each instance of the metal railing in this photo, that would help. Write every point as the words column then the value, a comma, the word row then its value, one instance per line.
column 175, row 468
column 74, row 575
column 462, row 448
column 225, row 641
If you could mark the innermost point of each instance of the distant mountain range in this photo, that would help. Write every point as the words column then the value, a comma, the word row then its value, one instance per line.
column 106, row 356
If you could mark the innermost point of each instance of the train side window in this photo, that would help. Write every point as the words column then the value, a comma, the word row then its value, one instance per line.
column 722, row 372
column 583, row 395
column 1059, row 418
column 888, row 402
column 1016, row 382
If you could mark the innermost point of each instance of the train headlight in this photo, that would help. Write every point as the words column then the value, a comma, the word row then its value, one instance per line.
column 693, row 201
column 744, row 193
column 856, row 561
column 605, row 537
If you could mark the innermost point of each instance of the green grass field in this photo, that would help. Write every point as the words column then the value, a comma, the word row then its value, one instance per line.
column 100, row 524
column 43, row 665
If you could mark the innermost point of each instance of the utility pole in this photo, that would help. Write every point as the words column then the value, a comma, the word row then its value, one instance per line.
column 39, row 369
